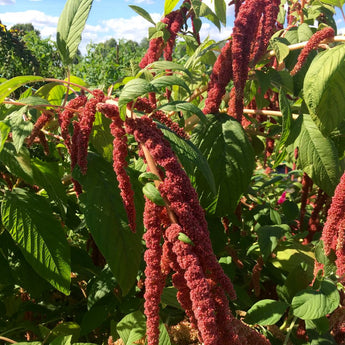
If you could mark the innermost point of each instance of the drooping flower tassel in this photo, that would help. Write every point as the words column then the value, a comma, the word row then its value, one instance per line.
column 219, row 79
column 313, row 43
column 40, row 123
column 119, row 159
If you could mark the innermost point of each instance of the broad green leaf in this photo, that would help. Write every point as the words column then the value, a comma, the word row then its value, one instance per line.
column 284, row 106
column 30, row 221
column 202, row 10
column 337, row 3
column 76, row 80
column 62, row 340
column 268, row 237
column 94, row 317
column 265, row 312
column 64, row 329
column 191, row 158
column 142, row 13
column 324, row 88
column 132, row 327
column 290, row 255
column 169, row 80
column 9, row 86
column 281, row 50
column 220, row 9
column 159, row 66
column 21, row 128
column 152, row 193
column 29, row 343
column 52, row 92
column 135, row 88
column 304, row 32
column 34, row 100
column 317, row 154
column 18, row 164
column 320, row 325
column 107, row 220
column 70, row 27
column 169, row 297
column 4, row 132
column 312, row 304
column 229, row 154
column 147, row 176
column 169, row 5
column 184, row 107
column 46, row 175
column 100, row 286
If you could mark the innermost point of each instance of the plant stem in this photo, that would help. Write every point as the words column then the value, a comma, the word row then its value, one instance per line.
column 290, row 330
column 7, row 340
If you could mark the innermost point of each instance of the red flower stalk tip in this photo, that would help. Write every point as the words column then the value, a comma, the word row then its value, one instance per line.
column 119, row 159
column 40, row 123
column 154, row 281
column 220, row 78
column 66, row 116
column 312, row 44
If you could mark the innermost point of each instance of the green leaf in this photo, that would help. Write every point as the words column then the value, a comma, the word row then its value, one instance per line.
column 324, row 89
column 52, row 92
column 94, row 317
column 268, row 237
column 142, row 13
column 4, row 132
column 317, row 154
column 284, row 106
column 185, row 239
column 147, row 176
column 18, row 164
column 229, row 154
column 101, row 286
column 152, row 193
column 132, row 327
column 159, row 66
column 281, row 50
column 191, row 158
column 107, row 220
column 20, row 127
column 46, row 175
column 133, row 89
column 220, row 8
column 64, row 329
column 70, row 27
column 265, row 312
column 39, row 235
column 9, row 86
column 169, row 80
column 312, row 304
column 169, row 297
column 337, row 3
column 184, row 107
column 169, row 5
column 62, row 340
column 202, row 10
column 304, row 32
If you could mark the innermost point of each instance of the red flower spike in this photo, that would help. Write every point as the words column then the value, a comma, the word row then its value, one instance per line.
column 307, row 184
column 85, row 125
column 266, row 28
column 312, row 44
column 244, row 33
column 200, row 294
column 66, row 116
column 44, row 143
column 154, row 281
column 119, row 159
column 40, row 123
column 182, row 198
column 220, row 78
column 332, row 234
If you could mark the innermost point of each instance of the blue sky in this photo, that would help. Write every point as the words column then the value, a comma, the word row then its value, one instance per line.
column 108, row 18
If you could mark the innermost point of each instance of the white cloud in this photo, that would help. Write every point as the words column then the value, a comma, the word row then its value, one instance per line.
column 146, row 2
column 134, row 28
column 7, row 2
column 209, row 30
column 39, row 19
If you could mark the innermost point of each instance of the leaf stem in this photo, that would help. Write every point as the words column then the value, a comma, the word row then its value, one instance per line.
column 8, row 340
column 290, row 330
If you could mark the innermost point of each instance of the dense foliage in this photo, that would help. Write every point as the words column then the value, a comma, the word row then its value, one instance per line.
column 189, row 193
